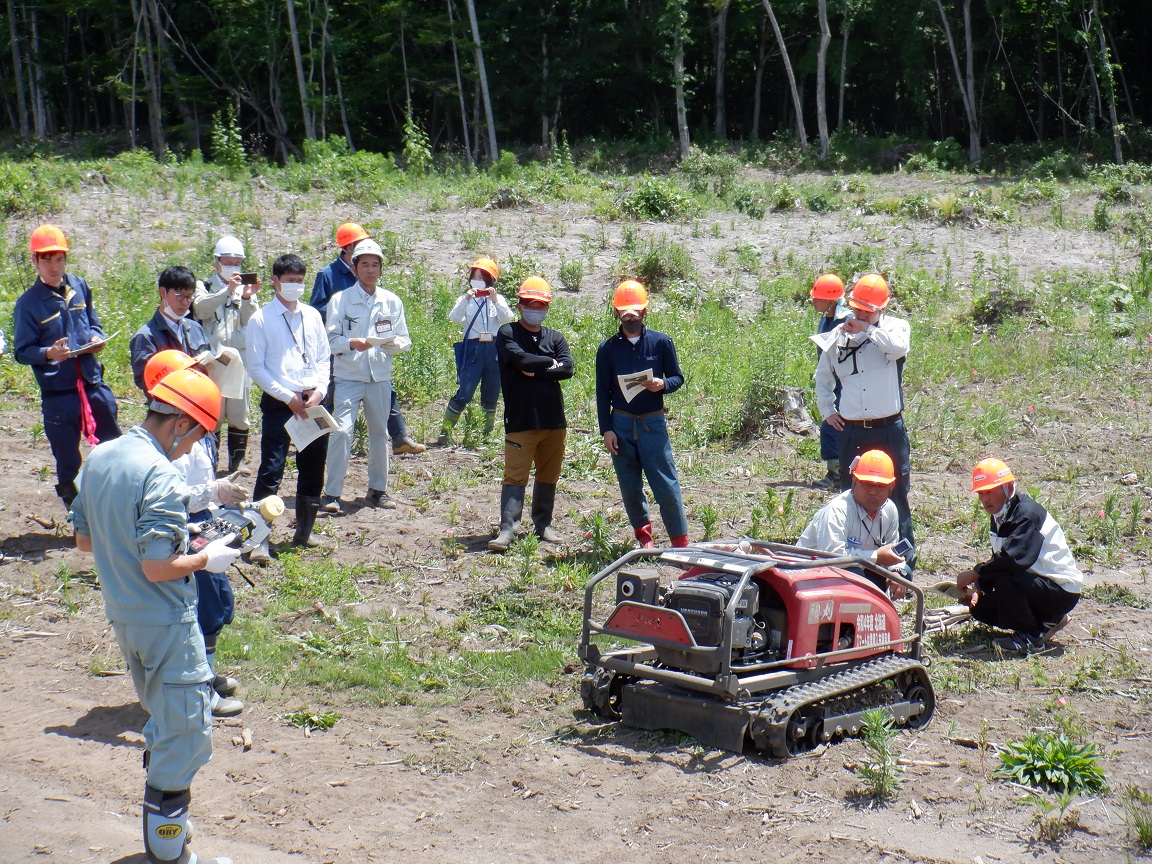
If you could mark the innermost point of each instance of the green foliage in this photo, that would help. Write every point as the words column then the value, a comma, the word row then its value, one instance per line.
column 712, row 173
column 31, row 188
column 659, row 263
column 880, row 773
column 514, row 269
column 417, row 148
column 1111, row 594
column 571, row 274
column 657, row 199
column 1137, row 805
column 310, row 720
column 228, row 143
column 1052, row 762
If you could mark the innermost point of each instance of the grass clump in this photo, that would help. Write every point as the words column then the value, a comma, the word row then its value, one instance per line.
column 1054, row 763
column 1137, row 805
column 656, row 199
column 1111, row 594
column 880, row 774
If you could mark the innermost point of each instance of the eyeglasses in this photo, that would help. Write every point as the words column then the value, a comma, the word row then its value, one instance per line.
column 181, row 295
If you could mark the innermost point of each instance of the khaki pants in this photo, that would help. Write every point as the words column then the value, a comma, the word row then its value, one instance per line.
column 544, row 447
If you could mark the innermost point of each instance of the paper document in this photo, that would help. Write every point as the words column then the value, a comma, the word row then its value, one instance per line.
column 824, row 341
column 227, row 371
column 380, row 341
column 87, row 349
column 304, row 432
column 633, row 383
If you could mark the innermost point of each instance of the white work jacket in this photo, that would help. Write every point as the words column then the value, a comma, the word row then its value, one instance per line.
column 354, row 314
column 223, row 314
column 867, row 366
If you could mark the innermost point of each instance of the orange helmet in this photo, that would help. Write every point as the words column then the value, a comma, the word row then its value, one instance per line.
column 874, row 466
column 535, row 288
column 161, row 364
column 870, row 293
column 630, row 296
column 990, row 473
column 349, row 233
column 828, row 287
column 47, row 238
column 487, row 265
column 193, row 393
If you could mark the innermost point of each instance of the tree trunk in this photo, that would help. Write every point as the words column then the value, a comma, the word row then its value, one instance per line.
column 678, row 77
column 761, row 61
column 821, row 64
column 1110, row 80
column 17, row 66
column 164, row 53
column 301, row 84
column 36, row 77
column 493, row 153
column 966, row 91
column 340, row 100
column 1039, row 74
column 459, row 83
column 843, row 70
column 796, row 103
column 721, row 127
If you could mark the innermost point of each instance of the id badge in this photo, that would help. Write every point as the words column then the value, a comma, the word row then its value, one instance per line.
column 485, row 337
column 383, row 327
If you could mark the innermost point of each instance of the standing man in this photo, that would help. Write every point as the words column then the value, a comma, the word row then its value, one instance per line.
column 481, row 311
column 336, row 277
column 131, row 513
column 632, row 422
column 534, row 359
column 290, row 361
column 1031, row 582
column 58, row 334
column 225, row 305
column 864, row 357
column 169, row 328
column 827, row 295
column 362, row 372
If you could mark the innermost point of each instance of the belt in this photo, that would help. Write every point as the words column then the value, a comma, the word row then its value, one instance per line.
column 874, row 422
column 659, row 413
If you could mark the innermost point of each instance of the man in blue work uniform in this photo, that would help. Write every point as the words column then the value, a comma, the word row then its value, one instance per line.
column 632, row 420
column 131, row 513
column 827, row 296
column 58, row 334
column 171, row 327
column 339, row 276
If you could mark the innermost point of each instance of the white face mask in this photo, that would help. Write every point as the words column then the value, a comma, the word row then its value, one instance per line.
column 291, row 291
column 227, row 271
column 478, row 284
column 171, row 313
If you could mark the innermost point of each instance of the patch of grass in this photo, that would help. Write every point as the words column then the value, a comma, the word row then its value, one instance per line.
column 1053, row 762
column 879, row 774
column 1137, row 804
column 1111, row 594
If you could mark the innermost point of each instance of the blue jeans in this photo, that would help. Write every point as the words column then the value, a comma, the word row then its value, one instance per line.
column 481, row 368
column 644, row 448
column 893, row 440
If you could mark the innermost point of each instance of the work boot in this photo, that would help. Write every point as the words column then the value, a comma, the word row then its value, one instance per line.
column 67, row 493
column 224, row 685
column 450, row 418
column 332, row 505
column 831, row 481
column 490, row 424
column 644, row 535
column 166, row 831
column 543, row 503
column 260, row 554
column 511, row 509
column 679, row 542
column 380, row 500
column 307, row 506
column 407, row 445
column 225, row 706
column 237, row 449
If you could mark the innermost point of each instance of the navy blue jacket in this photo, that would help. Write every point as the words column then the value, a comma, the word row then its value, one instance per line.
column 42, row 316
column 617, row 356
column 333, row 279
column 158, row 334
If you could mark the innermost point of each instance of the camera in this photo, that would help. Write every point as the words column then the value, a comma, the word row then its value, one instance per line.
column 249, row 278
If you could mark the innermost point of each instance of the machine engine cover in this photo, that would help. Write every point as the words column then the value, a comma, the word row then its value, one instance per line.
column 703, row 599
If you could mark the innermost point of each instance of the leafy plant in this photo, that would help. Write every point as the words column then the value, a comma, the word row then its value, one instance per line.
column 571, row 274
column 1053, row 818
column 1112, row 594
column 657, row 199
column 228, row 143
column 417, row 148
column 1045, row 761
column 309, row 720
column 880, row 774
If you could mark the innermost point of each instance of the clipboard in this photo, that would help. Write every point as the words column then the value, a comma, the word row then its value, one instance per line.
column 87, row 349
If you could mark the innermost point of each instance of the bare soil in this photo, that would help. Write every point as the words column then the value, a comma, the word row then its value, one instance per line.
column 535, row 778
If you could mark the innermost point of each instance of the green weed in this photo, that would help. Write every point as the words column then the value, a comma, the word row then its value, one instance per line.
column 1111, row 594
column 310, row 720
column 1137, row 804
column 880, row 774
column 1052, row 762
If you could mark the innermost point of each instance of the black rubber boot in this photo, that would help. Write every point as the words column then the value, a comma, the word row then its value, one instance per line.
column 67, row 493
column 307, row 506
column 543, row 503
column 237, row 449
column 511, row 509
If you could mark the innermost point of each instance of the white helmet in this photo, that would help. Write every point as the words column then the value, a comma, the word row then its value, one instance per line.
column 229, row 246
column 368, row 247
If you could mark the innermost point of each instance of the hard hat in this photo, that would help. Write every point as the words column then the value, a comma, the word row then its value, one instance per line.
column 162, row 363
column 869, row 292
column 630, row 296
column 828, row 287
column 990, row 473
column 191, row 392
column 535, row 288
column 488, row 266
column 349, row 233
column 229, row 247
column 873, row 466
column 367, row 247
column 48, row 238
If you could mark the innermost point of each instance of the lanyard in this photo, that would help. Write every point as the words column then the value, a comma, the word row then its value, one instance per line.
column 866, row 522
column 303, row 338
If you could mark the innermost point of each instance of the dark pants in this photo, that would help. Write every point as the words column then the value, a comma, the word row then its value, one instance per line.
column 1020, row 601
column 397, row 431
column 215, row 603
column 478, row 366
column 893, row 440
column 61, row 413
column 274, row 444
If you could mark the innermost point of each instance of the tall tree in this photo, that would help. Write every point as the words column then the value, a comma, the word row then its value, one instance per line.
column 301, row 83
column 966, row 83
column 493, row 153
column 720, row 40
column 797, row 105
column 17, row 65
column 676, row 19
column 821, row 63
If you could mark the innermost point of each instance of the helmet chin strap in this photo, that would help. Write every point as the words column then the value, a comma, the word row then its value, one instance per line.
column 179, row 438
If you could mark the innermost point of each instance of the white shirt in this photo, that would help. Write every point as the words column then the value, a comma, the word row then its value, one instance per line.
column 866, row 365
column 481, row 315
column 354, row 314
column 288, row 351
column 199, row 474
column 843, row 527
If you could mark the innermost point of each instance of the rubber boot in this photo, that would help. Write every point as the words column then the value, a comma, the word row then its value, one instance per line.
column 543, row 503
column 511, row 509
column 261, row 554
column 679, row 542
column 166, row 829
column 307, row 506
column 644, row 535
column 831, row 480
column 67, row 493
column 450, row 418
column 490, row 423
column 237, row 450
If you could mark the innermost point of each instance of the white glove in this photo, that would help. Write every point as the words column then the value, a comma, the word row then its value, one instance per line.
column 227, row 492
column 220, row 554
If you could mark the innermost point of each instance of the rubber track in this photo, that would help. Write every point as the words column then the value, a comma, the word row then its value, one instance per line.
column 776, row 712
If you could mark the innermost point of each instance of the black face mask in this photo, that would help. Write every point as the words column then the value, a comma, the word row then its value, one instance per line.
column 632, row 326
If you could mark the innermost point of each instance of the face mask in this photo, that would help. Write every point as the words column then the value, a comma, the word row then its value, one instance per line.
column 172, row 313
column 478, row 284
column 227, row 271
column 533, row 317
column 291, row 291
column 631, row 326
column 176, row 443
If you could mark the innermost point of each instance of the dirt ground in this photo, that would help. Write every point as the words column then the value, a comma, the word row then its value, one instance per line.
column 537, row 780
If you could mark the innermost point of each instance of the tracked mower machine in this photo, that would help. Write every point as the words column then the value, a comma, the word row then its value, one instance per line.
column 739, row 642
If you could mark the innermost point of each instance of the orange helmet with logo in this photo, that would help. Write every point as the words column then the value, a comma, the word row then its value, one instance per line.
column 47, row 238
column 193, row 393
column 161, row 364
column 870, row 293
column 874, row 466
column 630, row 296
column 487, row 265
column 990, row 473
column 349, row 233
column 828, row 287
column 535, row 288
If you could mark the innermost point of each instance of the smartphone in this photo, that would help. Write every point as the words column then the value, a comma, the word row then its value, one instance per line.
column 903, row 547
column 249, row 278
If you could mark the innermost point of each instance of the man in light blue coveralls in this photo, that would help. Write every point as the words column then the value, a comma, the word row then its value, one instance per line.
column 131, row 513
